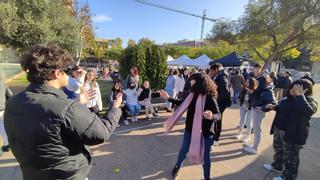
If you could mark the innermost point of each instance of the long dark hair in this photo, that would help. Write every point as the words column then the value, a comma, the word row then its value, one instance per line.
column 120, row 87
column 203, row 85
column 252, row 83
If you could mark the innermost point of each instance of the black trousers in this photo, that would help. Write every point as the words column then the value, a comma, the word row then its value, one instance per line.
column 218, row 126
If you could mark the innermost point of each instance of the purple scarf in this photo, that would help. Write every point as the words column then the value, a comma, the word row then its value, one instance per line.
column 196, row 151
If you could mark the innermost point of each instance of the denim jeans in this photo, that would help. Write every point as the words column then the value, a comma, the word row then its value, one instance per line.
column 134, row 109
column 235, row 95
column 208, row 142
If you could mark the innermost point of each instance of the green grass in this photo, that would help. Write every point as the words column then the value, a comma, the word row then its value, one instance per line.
column 105, row 88
column 19, row 81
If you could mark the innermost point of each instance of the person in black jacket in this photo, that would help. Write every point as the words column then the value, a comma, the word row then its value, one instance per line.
column 145, row 99
column 200, row 84
column 308, row 77
column 258, row 110
column 220, row 77
column 290, row 128
column 48, row 132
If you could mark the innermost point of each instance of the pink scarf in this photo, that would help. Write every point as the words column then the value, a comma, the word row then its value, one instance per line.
column 196, row 151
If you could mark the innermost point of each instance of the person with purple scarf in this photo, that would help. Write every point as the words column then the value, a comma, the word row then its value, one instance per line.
column 202, row 110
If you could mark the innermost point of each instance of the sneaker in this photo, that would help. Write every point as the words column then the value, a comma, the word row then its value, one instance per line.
column 269, row 167
column 239, row 136
column 174, row 172
column 246, row 139
column 248, row 145
column 133, row 119
column 118, row 125
column 155, row 115
column 126, row 122
column 5, row 148
column 136, row 119
column 278, row 178
column 250, row 150
column 216, row 143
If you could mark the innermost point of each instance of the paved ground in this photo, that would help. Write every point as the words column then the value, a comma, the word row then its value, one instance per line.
column 144, row 151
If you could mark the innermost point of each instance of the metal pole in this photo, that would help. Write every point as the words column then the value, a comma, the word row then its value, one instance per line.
column 202, row 26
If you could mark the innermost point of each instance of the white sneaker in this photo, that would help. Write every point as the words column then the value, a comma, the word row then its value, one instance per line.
column 248, row 145
column 278, row 178
column 239, row 136
column 270, row 168
column 216, row 143
column 133, row 119
column 250, row 150
column 136, row 119
column 126, row 122
column 246, row 139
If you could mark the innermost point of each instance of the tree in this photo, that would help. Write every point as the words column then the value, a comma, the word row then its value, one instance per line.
column 150, row 60
column 25, row 23
column 272, row 28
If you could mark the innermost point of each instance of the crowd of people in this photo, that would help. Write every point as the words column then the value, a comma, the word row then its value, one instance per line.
column 62, row 110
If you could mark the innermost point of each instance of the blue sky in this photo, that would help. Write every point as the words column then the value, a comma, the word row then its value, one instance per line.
column 128, row 19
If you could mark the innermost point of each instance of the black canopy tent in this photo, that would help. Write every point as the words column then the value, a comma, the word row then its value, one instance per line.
column 230, row 60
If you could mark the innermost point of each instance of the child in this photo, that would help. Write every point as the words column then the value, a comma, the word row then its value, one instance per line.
column 90, row 84
column 290, row 128
column 245, row 98
column 132, row 101
column 145, row 99
column 117, row 88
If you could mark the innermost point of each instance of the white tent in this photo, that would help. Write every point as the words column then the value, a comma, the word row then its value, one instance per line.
column 183, row 60
column 201, row 61
column 169, row 58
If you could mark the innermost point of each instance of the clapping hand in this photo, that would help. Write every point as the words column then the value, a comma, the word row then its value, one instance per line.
column 86, row 96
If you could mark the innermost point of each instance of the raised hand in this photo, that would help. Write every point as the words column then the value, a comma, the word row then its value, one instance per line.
column 117, row 102
column 208, row 115
column 299, row 91
column 86, row 96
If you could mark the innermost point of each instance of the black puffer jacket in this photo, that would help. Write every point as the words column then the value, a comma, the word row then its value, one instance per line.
column 224, row 97
column 48, row 133
column 266, row 96
column 293, row 116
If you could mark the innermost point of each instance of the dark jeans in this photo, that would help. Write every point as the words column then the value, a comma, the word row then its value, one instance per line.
column 208, row 141
column 286, row 156
column 235, row 95
column 218, row 126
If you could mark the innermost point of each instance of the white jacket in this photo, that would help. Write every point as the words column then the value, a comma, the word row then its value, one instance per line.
column 179, row 84
column 97, row 100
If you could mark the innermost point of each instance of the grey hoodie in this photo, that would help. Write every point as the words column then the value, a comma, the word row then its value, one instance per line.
column 5, row 93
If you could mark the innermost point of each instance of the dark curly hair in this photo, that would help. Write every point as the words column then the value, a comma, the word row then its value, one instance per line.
column 40, row 60
column 204, row 84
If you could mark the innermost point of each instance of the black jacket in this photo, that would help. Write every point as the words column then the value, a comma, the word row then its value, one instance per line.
column 48, row 132
column 206, row 123
column 224, row 97
column 266, row 96
column 293, row 116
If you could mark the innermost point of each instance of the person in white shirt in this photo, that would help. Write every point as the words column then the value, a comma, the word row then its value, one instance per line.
column 90, row 84
column 179, row 85
column 132, row 101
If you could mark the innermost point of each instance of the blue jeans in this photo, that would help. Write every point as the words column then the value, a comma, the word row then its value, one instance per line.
column 235, row 95
column 208, row 142
column 134, row 109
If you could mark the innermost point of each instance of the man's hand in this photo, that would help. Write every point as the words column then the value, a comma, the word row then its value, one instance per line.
column 86, row 96
column 117, row 102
